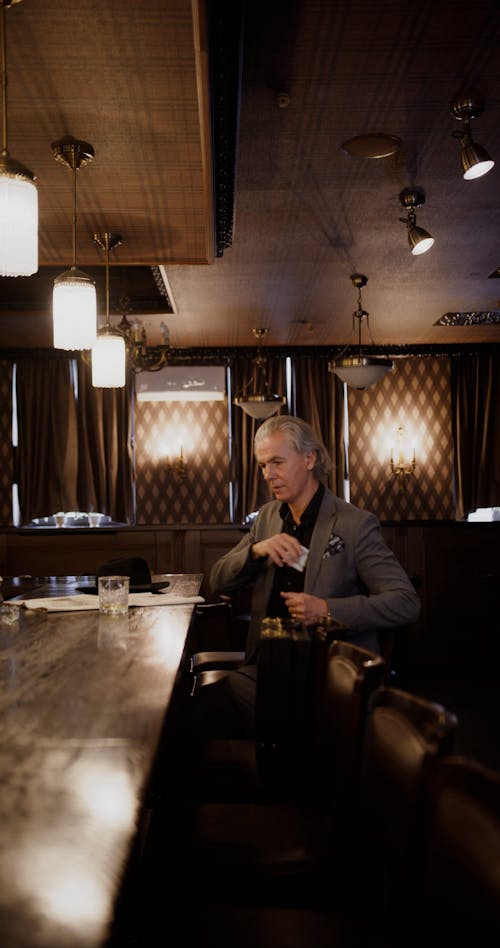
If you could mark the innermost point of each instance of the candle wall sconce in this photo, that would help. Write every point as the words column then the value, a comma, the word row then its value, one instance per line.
column 179, row 466
column 175, row 463
column 403, row 462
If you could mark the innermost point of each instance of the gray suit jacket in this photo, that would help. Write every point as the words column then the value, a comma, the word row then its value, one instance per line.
column 349, row 565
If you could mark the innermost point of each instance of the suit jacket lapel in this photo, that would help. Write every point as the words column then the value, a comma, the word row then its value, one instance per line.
column 319, row 540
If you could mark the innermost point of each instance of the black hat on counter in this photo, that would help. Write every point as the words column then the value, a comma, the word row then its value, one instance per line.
column 136, row 568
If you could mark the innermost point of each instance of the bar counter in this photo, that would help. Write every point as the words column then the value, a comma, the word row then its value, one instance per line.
column 82, row 706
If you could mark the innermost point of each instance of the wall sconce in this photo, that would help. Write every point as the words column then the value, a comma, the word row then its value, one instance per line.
column 474, row 159
column 140, row 355
column 176, row 464
column 402, row 458
column 420, row 240
column 179, row 466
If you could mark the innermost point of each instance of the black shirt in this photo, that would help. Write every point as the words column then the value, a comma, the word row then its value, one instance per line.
column 286, row 578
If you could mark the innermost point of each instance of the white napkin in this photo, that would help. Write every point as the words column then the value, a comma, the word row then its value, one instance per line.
column 162, row 599
column 84, row 601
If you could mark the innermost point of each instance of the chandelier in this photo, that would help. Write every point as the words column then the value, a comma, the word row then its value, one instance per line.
column 140, row 355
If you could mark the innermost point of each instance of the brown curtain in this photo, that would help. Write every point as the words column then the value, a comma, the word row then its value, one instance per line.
column 475, row 403
column 319, row 400
column 250, row 489
column 6, row 452
column 47, row 442
column 105, row 471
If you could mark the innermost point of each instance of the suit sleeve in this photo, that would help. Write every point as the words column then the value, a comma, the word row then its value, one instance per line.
column 236, row 568
column 386, row 598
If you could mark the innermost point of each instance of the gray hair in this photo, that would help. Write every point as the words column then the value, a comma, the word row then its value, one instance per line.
column 302, row 438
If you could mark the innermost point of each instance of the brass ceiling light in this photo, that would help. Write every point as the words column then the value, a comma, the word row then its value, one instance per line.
column 18, row 193
column 359, row 370
column 74, row 306
column 474, row 159
column 420, row 240
column 264, row 403
column 108, row 354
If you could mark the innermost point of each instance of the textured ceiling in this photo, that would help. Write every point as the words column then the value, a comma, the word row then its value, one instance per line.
column 134, row 80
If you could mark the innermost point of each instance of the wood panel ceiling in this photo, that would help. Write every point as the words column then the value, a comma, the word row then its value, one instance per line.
column 153, row 86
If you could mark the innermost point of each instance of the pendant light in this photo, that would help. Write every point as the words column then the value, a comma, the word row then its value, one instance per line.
column 108, row 354
column 360, row 371
column 74, row 299
column 264, row 403
column 18, row 194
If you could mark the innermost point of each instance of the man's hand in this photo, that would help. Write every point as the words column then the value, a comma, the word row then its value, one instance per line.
column 282, row 549
column 305, row 608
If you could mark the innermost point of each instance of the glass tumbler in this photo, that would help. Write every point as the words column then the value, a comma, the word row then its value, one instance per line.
column 113, row 595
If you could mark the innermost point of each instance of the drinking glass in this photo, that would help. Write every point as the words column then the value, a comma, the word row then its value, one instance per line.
column 113, row 595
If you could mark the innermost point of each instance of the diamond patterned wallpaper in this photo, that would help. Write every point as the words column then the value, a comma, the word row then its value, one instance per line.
column 6, row 459
column 201, row 429
column 415, row 395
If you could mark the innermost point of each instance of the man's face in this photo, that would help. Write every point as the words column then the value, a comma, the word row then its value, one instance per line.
column 289, row 474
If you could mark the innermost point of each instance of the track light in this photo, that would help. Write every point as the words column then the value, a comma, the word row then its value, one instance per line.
column 420, row 240
column 474, row 159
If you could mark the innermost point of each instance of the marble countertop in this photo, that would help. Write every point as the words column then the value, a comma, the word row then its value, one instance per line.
column 82, row 704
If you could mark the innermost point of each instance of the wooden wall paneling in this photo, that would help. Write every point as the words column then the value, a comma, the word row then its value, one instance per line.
column 458, row 564
column 170, row 552
column 462, row 572
column 204, row 547
column 406, row 543
column 75, row 553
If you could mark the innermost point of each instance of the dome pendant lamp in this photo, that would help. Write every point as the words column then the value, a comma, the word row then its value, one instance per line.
column 263, row 403
column 360, row 371
column 18, row 194
column 74, row 307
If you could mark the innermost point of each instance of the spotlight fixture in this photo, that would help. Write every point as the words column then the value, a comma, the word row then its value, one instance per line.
column 108, row 354
column 18, row 194
column 360, row 371
column 420, row 240
column 264, row 403
column 474, row 159
column 74, row 298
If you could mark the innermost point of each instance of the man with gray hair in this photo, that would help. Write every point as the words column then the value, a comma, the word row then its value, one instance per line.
column 308, row 555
